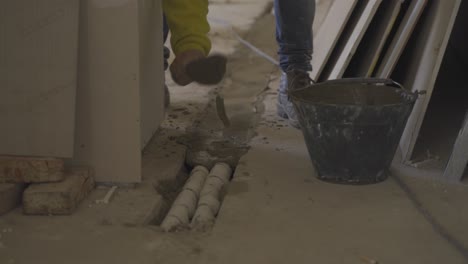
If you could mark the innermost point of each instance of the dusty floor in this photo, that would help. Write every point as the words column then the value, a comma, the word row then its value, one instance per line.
column 276, row 213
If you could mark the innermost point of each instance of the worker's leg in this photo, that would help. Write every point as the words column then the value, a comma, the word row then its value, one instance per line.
column 294, row 33
column 294, row 20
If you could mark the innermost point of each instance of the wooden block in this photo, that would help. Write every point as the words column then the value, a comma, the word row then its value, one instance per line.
column 60, row 198
column 10, row 196
column 459, row 158
column 370, row 49
column 30, row 170
column 354, row 40
column 401, row 38
column 329, row 33
column 423, row 63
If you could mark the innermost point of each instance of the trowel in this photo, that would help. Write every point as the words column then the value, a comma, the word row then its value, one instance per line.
column 221, row 111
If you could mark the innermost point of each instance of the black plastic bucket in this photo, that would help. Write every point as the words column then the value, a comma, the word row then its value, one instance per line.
column 352, row 127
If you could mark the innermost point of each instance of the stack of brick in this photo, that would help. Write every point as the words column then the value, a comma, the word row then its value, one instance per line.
column 51, row 190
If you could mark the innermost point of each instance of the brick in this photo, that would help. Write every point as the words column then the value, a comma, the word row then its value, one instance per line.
column 61, row 198
column 10, row 196
column 30, row 170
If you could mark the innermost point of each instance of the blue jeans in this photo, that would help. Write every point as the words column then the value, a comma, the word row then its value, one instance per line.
column 294, row 20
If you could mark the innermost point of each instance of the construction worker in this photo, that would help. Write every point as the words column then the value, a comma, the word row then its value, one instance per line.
column 187, row 21
column 294, row 20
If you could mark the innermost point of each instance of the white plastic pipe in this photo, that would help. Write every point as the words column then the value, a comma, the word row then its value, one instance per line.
column 209, row 203
column 184, row 206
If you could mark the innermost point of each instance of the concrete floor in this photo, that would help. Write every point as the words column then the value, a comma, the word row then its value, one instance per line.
column 282, row 213
column 275, row 210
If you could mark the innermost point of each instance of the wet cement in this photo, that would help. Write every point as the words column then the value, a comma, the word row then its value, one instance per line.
column 213, row 139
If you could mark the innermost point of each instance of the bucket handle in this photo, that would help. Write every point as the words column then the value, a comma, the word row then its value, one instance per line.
column 387, row 82
column 383, row 81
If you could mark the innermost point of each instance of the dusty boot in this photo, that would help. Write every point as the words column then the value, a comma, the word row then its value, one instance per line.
column 290, row 81
column 193, row 66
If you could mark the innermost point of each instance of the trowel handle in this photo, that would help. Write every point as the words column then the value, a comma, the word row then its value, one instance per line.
column 387, row 82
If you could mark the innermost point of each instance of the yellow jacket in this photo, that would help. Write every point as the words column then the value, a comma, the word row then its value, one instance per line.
column 187, row 21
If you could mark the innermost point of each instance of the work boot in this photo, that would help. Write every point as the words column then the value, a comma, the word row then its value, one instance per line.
column 193, row 66
column 290, row 81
